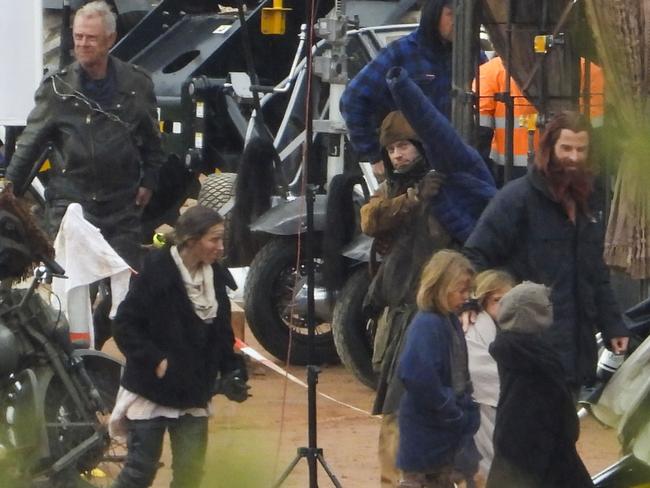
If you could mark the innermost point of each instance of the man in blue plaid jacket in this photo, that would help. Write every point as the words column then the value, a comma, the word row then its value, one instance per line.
column 426, row 56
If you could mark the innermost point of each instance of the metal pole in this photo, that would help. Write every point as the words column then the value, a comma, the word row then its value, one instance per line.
column 507, row 99
column 11, row 135
column 463, row 68
column 312, row 369
column 543, row 86
column 66, row 36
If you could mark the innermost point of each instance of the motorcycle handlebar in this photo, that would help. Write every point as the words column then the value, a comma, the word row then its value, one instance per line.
column 54, row 267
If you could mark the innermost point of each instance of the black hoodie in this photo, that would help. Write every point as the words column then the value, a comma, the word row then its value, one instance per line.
column 536, row 425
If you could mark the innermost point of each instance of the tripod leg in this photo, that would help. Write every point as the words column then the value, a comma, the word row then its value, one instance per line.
column 287, row 471
column 329, row 472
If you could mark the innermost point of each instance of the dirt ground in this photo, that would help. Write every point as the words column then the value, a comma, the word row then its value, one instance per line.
column 252, row 443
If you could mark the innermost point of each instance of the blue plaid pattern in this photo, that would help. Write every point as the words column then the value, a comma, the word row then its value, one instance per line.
column 367, row 99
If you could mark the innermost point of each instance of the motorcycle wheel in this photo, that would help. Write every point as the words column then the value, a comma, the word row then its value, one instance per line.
column 275, row 299
column 354, row 331
column 99, row 466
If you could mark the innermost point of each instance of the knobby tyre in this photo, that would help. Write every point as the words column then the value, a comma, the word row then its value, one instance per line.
column 275, row 305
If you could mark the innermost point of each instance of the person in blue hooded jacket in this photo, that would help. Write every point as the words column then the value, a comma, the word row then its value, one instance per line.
column 426, row 54
column 436, row 415
column 468, row 184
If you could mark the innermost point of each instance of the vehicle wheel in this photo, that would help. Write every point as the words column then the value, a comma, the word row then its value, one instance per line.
column 65, row 430
column 354, row 332
column 276, row 305
column 216, row 191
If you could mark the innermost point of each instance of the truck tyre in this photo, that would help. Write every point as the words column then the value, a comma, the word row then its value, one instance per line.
column 354, row 331
column 216, row 191
column 274, row 303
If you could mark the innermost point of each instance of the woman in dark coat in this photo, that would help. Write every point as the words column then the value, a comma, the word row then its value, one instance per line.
column 536, row 425
column 174, row 330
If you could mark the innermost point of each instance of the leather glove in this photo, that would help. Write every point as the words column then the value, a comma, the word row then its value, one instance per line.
column 233, row 386
column 429, row 186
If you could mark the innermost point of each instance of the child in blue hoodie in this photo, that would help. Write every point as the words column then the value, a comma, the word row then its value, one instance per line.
column 437, row 416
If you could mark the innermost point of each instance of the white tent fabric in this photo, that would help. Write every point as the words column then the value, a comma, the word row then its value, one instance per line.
column 623, row 394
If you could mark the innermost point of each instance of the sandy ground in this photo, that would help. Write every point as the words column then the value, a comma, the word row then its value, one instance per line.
column 252, row 443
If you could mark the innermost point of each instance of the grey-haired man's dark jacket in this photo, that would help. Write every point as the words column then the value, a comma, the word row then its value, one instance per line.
column 99, row 155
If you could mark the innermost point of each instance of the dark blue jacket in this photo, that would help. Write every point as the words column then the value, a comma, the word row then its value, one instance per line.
column 367, row 100
column 469, row 185
column 433, row 421
column 528, row 233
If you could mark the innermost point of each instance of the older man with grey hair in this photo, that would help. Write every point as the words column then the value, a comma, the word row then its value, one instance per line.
column 99, row 115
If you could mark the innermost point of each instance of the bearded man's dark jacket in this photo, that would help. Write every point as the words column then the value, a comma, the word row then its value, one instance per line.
column 528, row 233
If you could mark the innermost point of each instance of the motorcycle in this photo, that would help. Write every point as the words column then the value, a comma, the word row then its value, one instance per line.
column 55, row 400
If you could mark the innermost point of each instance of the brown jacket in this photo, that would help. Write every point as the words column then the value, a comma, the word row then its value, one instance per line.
column 383, row 217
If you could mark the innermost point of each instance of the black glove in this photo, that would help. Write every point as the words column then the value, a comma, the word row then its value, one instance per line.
column 240, row 366
column 233, row 386
column 429, row 186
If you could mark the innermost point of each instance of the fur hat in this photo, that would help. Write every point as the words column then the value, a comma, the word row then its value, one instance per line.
column 526, row 308
column 395, row 128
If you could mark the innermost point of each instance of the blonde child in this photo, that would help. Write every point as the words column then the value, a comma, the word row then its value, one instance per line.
column 436, row 414
column 490, row 286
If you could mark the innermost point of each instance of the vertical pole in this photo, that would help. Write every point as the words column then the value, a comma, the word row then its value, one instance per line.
column 309, row 254
column 463, row 68
column 507, row 99
column 543, row 87
column 66, row 35
column 11, row 135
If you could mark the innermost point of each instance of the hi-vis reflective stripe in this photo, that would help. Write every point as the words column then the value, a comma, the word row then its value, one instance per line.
column 486, row 121
column 598, row 122
column 517, row 160
column 500, row 122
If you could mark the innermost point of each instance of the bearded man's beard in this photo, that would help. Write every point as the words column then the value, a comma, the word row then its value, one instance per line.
column 570, row 183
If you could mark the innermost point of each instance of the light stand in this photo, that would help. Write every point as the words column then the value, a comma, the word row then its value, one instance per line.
column 312, row 452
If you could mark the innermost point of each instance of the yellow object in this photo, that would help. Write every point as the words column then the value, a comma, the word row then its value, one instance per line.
column 45, row 166
column 94, row 473
column 274, row 18
column 542, row 44
column 98, row 473
column 158, row 240
column 529, row 122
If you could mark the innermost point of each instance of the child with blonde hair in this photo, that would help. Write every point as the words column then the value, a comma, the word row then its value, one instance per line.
column 490, row 286
column 436, row 414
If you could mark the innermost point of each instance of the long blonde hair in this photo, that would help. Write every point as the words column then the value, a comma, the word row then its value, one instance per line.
column 444, row 270
column 490, row 281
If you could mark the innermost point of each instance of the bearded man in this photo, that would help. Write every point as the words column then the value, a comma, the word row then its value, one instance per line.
column 547, row 227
